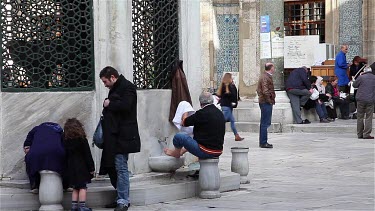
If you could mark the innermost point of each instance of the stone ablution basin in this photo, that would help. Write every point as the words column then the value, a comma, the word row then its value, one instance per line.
column 165, row 163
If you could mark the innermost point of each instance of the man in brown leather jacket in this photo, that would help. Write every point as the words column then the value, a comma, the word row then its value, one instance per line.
column 267, row 96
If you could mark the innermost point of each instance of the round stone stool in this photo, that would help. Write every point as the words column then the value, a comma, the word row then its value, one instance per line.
column 50, row 191
column 209, row 178
column 240, row 163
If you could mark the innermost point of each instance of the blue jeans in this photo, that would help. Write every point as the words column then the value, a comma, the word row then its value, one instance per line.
column 184, row 140
column 228, row 116
column 123, row 184
column 321, row 110
column 265, row 121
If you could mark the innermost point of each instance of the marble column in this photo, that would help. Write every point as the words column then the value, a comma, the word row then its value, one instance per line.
column 275, row 9
column 190, row 52
column 249, row 46
column 113, row 47
column 368, row 9
column 332, row 22
column 1, row 135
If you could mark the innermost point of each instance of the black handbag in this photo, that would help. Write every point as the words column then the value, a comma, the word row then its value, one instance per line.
column 98, row 135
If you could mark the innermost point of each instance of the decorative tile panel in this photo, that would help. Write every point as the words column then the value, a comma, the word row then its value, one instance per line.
column 351, row 27
column 227, row 53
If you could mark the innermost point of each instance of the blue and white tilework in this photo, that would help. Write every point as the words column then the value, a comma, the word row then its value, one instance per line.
column 227, row 53
column 351, row 26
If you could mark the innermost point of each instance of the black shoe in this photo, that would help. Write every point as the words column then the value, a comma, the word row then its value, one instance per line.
column 345, row 118
column 121, row 207
column 84, row 209
column 267, row 145
column 306, row 121
column 111, row 205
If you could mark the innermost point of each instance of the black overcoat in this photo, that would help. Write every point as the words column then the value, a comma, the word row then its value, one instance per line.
column 120, row 126
column 79, row 161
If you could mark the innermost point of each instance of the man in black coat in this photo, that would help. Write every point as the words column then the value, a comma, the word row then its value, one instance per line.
column 120, row 132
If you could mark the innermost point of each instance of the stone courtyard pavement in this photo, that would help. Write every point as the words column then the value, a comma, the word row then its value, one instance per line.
column 303, row 172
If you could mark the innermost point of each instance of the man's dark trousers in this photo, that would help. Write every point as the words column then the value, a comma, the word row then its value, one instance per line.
column 265, row 121
column 298, row 98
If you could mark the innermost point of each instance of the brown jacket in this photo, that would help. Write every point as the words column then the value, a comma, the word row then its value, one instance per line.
column 180, row 89
column 265, row 90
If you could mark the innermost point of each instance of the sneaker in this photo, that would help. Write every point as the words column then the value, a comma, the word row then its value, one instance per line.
column 330, row 119
column 324, row 121
column 34, row 191
column 121, row 207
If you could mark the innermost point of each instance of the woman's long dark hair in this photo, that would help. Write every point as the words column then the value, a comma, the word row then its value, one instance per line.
column 73, row 128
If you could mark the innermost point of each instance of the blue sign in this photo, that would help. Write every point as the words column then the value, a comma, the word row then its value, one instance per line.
column 265, row 24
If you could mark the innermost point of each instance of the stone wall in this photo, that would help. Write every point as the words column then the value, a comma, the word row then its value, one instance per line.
column 19, row 112
column 23, row 111
column 275, row 9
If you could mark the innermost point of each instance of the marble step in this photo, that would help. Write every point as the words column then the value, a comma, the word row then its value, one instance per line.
column 253, row 127
column 142, row 192
column 253, row 114
column 339, row 126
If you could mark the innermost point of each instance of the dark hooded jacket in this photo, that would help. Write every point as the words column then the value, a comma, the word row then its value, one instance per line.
column 46, row 149
column 298, row 79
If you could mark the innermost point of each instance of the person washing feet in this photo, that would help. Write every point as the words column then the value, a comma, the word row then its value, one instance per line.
column 209, row 131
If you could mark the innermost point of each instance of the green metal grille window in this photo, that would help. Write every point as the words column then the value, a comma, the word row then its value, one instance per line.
column 47, row 45
column 155, row 42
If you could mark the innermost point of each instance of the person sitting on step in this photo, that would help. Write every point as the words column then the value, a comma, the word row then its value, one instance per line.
column 332, row 90
column 321, row 98
column 298, row 89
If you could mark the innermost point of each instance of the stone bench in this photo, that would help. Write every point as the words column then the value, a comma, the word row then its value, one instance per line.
column 209, row 178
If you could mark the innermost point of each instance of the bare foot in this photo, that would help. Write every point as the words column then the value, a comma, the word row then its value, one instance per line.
column 174, row 153
column 183, row 150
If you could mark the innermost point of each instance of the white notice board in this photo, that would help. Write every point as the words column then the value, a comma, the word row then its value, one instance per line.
column 299, row 50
